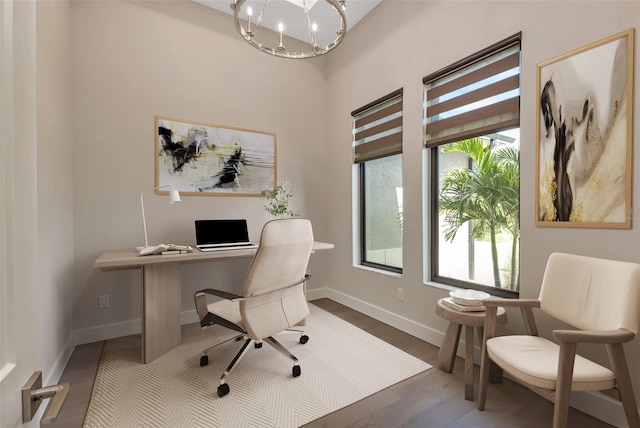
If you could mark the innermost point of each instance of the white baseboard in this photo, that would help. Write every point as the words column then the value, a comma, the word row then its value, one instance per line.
column 107, row 331
column 413, row 328
column 126, row 328
column 597, row 405
column 55, row 372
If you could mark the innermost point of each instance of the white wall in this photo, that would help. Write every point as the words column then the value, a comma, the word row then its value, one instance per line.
column 134, row 60
column 54, row 258
column 395, row 46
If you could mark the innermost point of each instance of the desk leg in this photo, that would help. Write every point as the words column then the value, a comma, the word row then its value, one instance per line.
column 160, row 309
column 447, row 353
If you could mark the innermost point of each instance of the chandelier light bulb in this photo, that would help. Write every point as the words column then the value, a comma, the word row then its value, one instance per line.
column 280, row 29
column 314, row 28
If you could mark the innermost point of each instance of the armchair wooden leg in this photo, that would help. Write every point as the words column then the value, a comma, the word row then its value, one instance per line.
column 495, row 371
column 484, row 378
column 625, row 388
column 485, row 361
column 566, row 362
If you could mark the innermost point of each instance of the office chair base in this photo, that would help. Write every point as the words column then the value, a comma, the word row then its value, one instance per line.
column 204, row 360
column 223, row 390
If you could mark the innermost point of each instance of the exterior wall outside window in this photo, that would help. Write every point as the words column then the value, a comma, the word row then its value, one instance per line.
column 382, row 211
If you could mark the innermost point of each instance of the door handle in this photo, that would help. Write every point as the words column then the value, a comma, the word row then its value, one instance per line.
column 33, row 393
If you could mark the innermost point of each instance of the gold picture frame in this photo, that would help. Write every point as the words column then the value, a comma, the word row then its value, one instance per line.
column 199, row 158
column 584, row 136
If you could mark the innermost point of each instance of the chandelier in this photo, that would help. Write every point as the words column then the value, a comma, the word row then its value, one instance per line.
column 272, row 43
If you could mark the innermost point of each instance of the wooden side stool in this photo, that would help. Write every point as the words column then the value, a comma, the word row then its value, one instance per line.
column 447, row 353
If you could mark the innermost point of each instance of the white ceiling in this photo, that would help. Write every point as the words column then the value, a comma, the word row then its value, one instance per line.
column 293, row 18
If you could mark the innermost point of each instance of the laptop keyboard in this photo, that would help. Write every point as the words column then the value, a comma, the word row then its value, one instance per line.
column 227, row 247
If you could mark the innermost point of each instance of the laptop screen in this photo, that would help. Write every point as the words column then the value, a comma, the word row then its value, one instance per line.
column 220, row 232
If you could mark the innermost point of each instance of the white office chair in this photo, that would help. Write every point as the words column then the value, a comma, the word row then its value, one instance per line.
column 601, row 299
column 272, row 297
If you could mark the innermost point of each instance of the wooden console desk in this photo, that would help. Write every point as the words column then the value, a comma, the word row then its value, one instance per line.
column 161, row 290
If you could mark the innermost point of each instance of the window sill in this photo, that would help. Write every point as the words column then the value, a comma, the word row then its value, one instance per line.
column 380, row 271
column 448, row 288
column 441, row 286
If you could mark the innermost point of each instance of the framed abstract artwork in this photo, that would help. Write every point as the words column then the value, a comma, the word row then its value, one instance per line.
column 584, row 136
column 200, row 158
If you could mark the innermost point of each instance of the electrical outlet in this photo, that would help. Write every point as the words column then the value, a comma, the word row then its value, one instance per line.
column 103, row 301
column 401, row 294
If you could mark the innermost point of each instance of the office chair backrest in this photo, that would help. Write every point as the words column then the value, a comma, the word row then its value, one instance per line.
column 590, row 293
column 280, row 262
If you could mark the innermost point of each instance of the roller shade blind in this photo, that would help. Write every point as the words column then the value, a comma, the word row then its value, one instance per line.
column 377, row 128
column 476, row 96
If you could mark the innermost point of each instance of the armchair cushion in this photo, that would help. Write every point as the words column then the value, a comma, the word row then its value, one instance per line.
column 534, row 360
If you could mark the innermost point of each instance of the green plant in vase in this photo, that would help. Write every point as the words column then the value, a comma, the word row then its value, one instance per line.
column 278, row 199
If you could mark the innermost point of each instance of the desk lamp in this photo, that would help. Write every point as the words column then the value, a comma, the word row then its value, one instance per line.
column 174, row 197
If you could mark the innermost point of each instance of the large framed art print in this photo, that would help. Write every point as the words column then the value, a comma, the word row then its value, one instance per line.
column 199, row 158
column 584, row 136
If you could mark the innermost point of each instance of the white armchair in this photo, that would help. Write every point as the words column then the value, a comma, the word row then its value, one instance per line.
column 601, row 299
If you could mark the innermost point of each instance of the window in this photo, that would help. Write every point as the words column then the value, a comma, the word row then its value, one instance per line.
column 472, row 117
column 377, row 141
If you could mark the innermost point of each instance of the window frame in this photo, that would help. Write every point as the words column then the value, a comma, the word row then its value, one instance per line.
column 360, row 164
column 363, row 227
column 432, row 252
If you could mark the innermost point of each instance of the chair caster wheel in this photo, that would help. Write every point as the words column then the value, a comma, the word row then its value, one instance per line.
column 296, row 371
column 304, row 339
column 204, row 360
column 223, row 390
column 257, row 345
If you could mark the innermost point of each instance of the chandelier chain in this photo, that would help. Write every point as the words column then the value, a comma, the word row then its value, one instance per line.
column 306, row 13
column 264, row 7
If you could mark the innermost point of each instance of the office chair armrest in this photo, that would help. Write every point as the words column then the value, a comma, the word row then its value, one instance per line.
column 594, row 336
column 279, row 291
column 237, row 297
column 200, row 299
column 219, row 293
column 271, row 296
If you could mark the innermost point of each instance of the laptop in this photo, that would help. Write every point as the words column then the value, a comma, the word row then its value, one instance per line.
column 218, row 235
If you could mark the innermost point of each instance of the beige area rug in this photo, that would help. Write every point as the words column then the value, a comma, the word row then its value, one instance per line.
column 340, row 364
